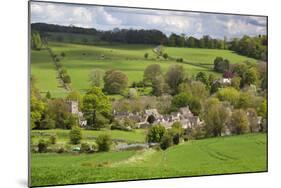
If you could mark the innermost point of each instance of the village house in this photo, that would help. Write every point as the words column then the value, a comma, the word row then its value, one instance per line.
column 152, row 116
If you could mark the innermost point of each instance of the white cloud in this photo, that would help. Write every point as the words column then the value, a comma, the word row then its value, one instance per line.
column 189, row 23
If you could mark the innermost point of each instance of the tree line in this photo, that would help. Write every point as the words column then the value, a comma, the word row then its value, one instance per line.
column 255, row 47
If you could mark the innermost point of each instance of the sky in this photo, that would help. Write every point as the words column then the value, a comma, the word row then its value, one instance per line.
column 107, row 18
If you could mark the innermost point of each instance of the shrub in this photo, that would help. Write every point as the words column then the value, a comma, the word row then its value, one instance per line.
column 221, row 65
column 53, row 139
column 176, row 132
column 62, row 54
column 166, row 141
column 179, row 59
column 75, row 135
column 42, row 146
column 85, row 148
column 47, row 123
column 197, row 133
column 155, row 133
column 165, row 55
column 61, row 150
column 104, row 142
column 146, row 55
column 239, row 122
column 57, row 59
column 181, row 100
column 59, row 65
column 95, row 147
column 116, row 125
column 66, row 79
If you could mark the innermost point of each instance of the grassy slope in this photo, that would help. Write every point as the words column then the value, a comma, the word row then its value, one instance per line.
column 45, row 72
column 246, row 153
column 127, row 58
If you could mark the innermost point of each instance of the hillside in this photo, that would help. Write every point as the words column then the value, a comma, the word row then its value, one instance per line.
column 129, row 58
column 247, row 153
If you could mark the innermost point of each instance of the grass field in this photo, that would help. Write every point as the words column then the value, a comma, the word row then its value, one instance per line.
column 137, row 136
column 245, row 153
column 81, row 59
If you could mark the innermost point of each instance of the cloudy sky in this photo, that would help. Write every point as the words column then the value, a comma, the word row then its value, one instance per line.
column 107, row 18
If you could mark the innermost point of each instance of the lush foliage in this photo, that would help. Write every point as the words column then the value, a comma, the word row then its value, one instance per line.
column 75, row 135
column 104, row 142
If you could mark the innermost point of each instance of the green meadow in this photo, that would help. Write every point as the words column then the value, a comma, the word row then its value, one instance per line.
column 222, row 155
column 128, row 58
column 135, row 136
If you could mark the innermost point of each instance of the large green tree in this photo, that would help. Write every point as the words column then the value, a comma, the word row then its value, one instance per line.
column 151, row 72
column 239, row 122
column 37, row 105
column 174, row 77
column 96, row 105
column 95, row 77
column 115, row 82
column 36, row 42
column 215, row 116
column 155, row 133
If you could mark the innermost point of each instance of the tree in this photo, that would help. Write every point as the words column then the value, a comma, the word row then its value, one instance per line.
column 159, row 86
column 133, row 93
column 66, row 79
column 253, row 120
column 176, row 132
column 151, row 72
column 48, row 95
column 37, row 105
column 104, row 142
column 47, row 123
column 165, row 55
column 166, row 141
column 262, row 109
column 211, row 80
column 155, row 133
column 215, row 116
column 36, row 42
column 115, row 82
column 251, row 76
column 229, row 94
column 181, row 100
column 215, row 87
column 246, row 100
column 95, row 77
column 58, row 110
column 239, row 122
column 85, row 148
column 236, row 82
column 94, row 102
column 146, row 55
column 198, row 90
column 42, row 146
column 221, row 65
column 174, row 77
column 62, row 54
column 75, row 135
column 202, row 77
column 195, row 106
column 53, row 139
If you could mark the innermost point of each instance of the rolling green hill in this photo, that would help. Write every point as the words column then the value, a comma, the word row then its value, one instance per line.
column 81, row 59
column 234, row 154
